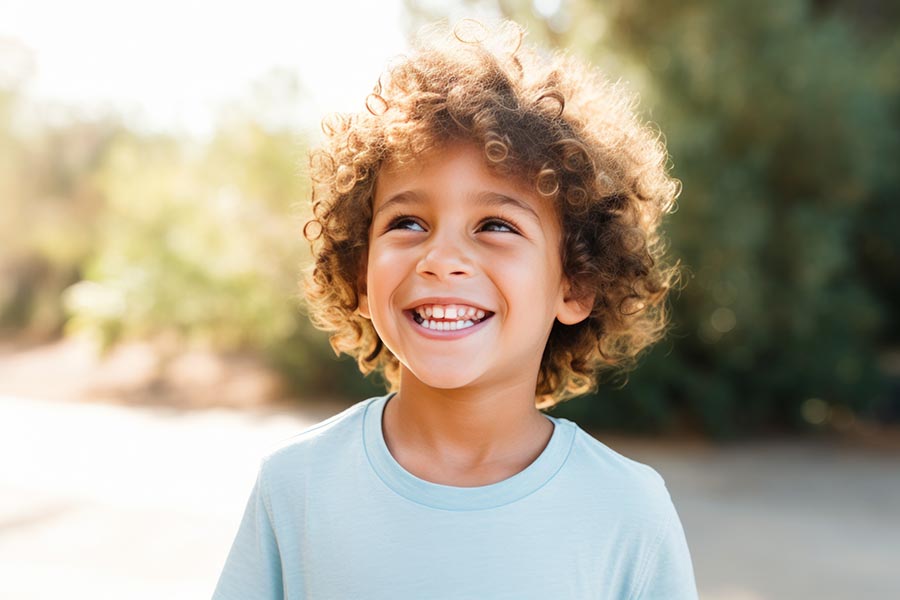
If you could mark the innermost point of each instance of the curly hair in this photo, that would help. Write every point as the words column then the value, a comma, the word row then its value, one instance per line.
column 547, row 119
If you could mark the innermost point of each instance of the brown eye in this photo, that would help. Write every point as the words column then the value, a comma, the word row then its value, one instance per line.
column 404, row 222
column 500, row 225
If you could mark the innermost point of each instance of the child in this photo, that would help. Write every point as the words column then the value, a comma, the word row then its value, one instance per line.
column 485, row 235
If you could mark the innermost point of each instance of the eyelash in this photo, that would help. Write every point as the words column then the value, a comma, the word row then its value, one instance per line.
column 403, row 218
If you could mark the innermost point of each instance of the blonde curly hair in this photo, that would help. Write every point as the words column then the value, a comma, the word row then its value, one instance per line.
column 546, row 119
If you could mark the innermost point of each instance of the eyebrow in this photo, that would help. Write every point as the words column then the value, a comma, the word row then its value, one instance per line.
column 490, row 199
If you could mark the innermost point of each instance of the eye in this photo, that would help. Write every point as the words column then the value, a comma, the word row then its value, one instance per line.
column 500, row 224
column 404, row 222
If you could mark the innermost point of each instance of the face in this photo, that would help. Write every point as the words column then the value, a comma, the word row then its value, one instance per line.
column 464, row 278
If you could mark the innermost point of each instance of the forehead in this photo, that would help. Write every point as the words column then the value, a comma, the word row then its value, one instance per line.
column 456, row 170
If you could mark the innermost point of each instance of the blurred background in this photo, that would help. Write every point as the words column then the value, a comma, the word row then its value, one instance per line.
column 153, row 344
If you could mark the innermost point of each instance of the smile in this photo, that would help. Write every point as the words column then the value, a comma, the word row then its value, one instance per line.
column 446, row 329
column 446, row 324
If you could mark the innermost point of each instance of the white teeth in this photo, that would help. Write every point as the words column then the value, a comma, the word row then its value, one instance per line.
column 446, row 325
column 450, row 312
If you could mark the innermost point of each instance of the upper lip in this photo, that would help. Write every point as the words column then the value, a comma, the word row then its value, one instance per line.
column 445, row 300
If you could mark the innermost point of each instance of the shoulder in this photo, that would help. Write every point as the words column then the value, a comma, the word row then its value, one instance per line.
column 316, row 445
column 614, row 467
column 613, row 479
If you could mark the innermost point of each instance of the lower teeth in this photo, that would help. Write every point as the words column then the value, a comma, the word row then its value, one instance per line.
column 445, row 325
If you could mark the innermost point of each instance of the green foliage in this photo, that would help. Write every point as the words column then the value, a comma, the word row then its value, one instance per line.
column 174, row 251
column 206, row 242
column 47, row 204
column 125, row 235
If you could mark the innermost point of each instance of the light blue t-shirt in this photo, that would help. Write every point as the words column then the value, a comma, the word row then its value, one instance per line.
column 334, row 516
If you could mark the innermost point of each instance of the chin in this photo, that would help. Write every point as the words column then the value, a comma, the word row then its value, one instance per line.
column 444, row 381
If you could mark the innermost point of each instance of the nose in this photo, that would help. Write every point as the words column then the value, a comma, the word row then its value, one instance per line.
column 444, row 257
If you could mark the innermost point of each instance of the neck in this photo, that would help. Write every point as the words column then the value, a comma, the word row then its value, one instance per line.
column 466, row 428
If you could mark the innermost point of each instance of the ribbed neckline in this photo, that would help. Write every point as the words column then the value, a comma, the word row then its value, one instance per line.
column 448, row 497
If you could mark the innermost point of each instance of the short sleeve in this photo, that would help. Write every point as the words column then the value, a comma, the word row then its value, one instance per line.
column 252, row 570
column 668, row 573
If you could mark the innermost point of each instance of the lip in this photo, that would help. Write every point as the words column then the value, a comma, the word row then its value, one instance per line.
column 446, row 300
column 445, row 335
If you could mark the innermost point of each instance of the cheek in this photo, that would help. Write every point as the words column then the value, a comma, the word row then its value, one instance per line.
column 538, row 278
column 384, row 271
column 382, row 263
column 533, row 268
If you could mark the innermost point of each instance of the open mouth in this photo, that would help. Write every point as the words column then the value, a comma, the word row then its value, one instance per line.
column 444, row 324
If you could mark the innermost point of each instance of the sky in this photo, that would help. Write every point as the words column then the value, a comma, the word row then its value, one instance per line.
column 169, row 64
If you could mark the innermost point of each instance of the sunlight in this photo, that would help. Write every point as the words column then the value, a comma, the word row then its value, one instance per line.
column 170, row 65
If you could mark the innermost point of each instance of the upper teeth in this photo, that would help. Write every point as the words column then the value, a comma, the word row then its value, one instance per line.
column 449, row 311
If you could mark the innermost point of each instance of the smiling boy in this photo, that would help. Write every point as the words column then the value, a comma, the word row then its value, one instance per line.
column 486, row 236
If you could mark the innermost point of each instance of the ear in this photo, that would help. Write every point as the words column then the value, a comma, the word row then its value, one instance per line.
column 362, row 294
column 572, row 310
column 363, row 308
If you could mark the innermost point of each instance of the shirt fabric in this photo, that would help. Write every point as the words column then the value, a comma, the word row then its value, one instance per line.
column 333, row 515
